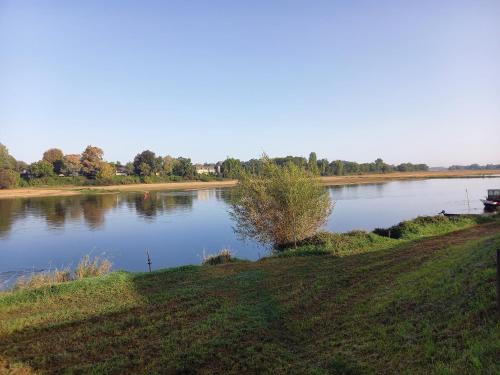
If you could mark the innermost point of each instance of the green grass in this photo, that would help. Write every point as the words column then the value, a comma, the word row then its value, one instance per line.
column 406, row 307
column 428, row 226
column 358, row 241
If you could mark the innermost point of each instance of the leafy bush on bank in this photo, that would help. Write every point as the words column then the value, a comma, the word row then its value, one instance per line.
column 425, row 226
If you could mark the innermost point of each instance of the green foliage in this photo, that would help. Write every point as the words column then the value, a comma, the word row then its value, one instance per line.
column 282, row 206
column 425, row 226
column 146, row 163
column 9, row 179
column 231, row 168
column 6, row 160
column 41, row 169
column 184, row 168
column 339, row 244
column 312, row 164
column 54, row 181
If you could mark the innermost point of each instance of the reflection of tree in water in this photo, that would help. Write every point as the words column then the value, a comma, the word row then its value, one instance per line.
column 56, row 210
column 154, row 203
column 229, row 195
column 94, row 208
column 10, row 210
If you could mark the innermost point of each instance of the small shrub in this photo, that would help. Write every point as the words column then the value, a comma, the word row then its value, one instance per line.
column 280, row 207
column 92, row 267
column 222, row 257
column 9, row 179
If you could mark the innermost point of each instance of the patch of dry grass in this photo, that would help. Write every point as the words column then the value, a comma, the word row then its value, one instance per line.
column 86, row 268
column 223, row 256
column 92, row 267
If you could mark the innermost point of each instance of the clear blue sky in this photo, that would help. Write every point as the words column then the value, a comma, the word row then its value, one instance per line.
column 403, row 80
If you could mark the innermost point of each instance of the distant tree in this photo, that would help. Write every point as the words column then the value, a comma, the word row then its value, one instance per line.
column 351, row 167
column 158, row 165
column 129, row 168
column 145, row 158
column 312, row 163
column 71, row 165
column 21, row 166
column 41, row 169
column 168, row 165
column 231, row 168
column 184, row 168
column 9, row 178
column 91, row 161
column 323, row 167
column 6, row 160
column 281, row 207
column 252, row 166
column 299, row 161
column 54, row 156
column 106, row 170
column 144, row 169
column 337, row 167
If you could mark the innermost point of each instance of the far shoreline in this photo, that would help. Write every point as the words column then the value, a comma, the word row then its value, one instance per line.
column 197, row 185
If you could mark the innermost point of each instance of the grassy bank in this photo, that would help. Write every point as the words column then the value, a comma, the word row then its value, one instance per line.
column 423, row 305
column 71, row 189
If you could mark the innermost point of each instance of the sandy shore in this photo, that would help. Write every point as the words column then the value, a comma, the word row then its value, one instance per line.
column 194, row 185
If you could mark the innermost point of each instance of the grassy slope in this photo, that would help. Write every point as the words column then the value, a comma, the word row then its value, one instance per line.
column 416, row 307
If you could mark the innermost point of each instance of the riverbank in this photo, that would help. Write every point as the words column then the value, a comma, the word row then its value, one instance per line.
column 195, row 185
column 416, row 306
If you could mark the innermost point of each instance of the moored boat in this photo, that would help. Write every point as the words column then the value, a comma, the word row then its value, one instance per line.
column 493, row 199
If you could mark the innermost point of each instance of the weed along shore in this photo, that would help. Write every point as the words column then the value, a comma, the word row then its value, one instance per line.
column 194, row 185
column 420, row 301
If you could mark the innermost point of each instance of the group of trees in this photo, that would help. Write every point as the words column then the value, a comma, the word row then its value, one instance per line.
column 475, row 167
column 90, row 164
column 147, row 166
column 231, row 167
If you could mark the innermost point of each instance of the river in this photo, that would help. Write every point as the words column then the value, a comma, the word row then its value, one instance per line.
column 178, row 228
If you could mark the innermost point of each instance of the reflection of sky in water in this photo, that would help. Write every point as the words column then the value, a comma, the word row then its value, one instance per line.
column 178, row 227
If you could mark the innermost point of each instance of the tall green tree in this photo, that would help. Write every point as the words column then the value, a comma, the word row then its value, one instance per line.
column 41, row 169
column 184, row 168
column 145, row 163
column 312, row 163
column 231, row 168
column 6, row 160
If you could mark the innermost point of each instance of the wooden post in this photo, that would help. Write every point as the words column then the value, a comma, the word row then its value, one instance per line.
column 149, row 260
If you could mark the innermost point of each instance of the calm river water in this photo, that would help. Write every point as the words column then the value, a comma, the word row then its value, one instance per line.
column 179, row 227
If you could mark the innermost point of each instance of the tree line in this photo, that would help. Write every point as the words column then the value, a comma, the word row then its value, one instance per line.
column 474, row 167
column 231, row 168
column 90, row 168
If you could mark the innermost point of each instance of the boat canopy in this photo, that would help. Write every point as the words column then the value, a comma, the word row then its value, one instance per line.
column 493, row 193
